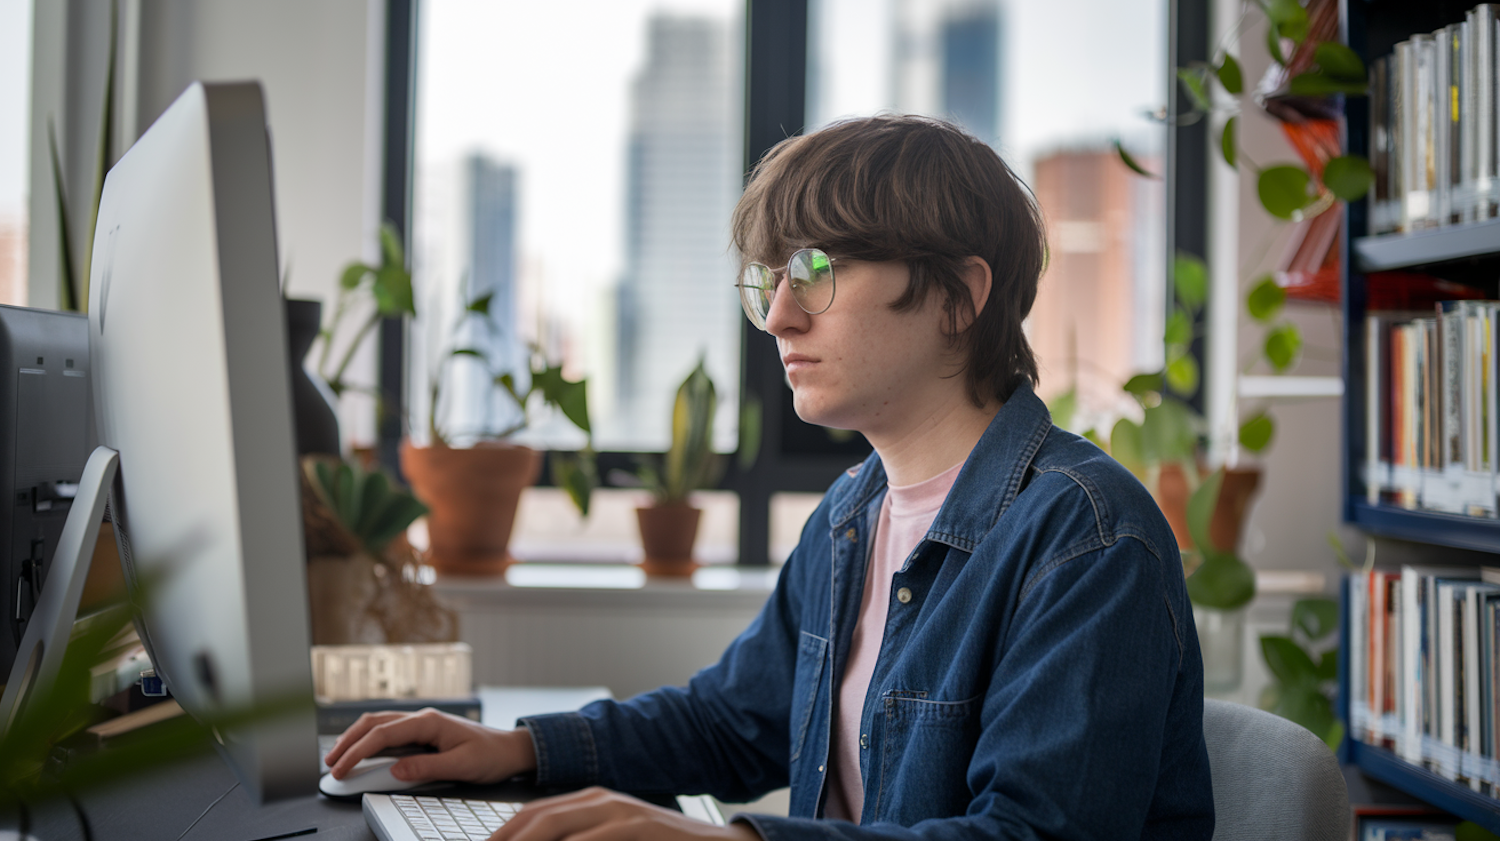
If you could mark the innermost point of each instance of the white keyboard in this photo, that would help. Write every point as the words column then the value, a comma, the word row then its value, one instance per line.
column 404, row 817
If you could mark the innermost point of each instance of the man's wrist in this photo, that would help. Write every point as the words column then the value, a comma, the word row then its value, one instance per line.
column 522, row 750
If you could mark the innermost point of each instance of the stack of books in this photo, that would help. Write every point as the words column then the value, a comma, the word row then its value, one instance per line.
column 1423, row 675
column 1432, row 433
column 1433, row 143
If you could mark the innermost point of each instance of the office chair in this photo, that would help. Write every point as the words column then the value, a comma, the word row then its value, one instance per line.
column 1272, row 778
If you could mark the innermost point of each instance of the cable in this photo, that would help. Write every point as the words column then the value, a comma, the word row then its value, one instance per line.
column 83, row 819
column 209, row 809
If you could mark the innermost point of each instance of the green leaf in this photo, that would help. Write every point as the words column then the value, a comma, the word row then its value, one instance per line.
column 1349, row 177
column 751, row 419
column 1130, row 162
column 467, row 351
column 1182, row 375
column 1287, row 661
column 1194, row 81
column 481, row 305
column 1283, row 344
column 1200, row 510
column 1222, row 582
column 1284, row 190
column 508, row 382
column 1315, row 618
column 352, row 275
column 1230, row 76
column 1265, row 299
column 1143, row 384
column 1179, row 329
column 1273, row 44
column 1340, row 62
column 373, row 495
column 1168, row 432
column 393, row 292
column 401, row 511
column 1289, row 19
column 1317, row 83
column 1190, row 280
column 1125, row 446
column 577, row 474
column 67, row 281
column 1226, row 141
column 1328, row 665
column 573, row 400
column 390, row 247
column 1256, row 433
column 1063, row 407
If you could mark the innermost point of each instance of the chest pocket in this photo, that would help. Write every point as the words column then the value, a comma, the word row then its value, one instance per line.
column 812, row 650
column 926, row 747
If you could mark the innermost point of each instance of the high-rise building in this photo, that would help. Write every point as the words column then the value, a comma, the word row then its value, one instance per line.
column 971, row 68
column 1100, row 312
column 675, row 299
column 947, row 62
column 466, row 248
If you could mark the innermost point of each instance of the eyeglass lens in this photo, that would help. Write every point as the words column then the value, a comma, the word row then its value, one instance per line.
column 810, row 273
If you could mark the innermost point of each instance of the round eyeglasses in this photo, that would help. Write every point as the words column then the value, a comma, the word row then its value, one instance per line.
column 811, row 274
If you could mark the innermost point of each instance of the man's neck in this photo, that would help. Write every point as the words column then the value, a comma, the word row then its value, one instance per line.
column 933, row 442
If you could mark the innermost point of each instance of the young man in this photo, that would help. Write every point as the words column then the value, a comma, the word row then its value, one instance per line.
column 983, row 632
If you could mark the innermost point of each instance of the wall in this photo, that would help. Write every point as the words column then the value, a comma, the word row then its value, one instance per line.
column 321, row 66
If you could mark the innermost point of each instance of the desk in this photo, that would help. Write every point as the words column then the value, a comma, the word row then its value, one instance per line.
column 200, row 799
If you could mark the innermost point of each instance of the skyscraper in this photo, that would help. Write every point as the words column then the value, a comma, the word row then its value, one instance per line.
column 1105, row 260
column 971, row 68
column 675, row 299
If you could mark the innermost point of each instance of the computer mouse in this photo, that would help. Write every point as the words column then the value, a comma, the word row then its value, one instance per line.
column 367, row 775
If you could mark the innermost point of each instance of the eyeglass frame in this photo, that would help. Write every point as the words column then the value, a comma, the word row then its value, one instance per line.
column 762, row 322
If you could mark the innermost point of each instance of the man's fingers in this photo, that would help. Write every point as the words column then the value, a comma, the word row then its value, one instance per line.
column 397, row 730
column 356, row 731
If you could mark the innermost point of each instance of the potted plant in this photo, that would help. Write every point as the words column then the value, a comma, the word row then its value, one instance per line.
column 669, row 525
column 472, row 491
column 361, row 586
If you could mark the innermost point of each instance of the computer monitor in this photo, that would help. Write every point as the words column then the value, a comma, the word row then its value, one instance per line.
column 187, row 338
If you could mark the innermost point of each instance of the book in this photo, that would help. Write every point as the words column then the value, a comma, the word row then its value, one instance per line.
column 1415, row 655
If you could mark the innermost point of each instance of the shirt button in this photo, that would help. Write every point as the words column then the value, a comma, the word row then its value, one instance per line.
column 903, row 595
column 852, row 535
column 864, row 740
column 820, row 769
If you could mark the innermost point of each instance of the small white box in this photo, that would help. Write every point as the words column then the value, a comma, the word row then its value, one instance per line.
column 360, row 672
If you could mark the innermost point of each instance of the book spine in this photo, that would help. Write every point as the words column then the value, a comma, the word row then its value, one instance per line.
column 1469, row 640
column 1446, row 670
column 1481, row 21
column 1442, row 127
column 1410, row 746
column 1375, row 398
column 1450, row 322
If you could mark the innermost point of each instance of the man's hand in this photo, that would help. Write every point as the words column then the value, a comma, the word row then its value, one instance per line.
column 467, row 752
column 598, row 814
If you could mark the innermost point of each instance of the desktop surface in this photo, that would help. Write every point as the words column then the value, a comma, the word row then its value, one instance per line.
column 199, row 798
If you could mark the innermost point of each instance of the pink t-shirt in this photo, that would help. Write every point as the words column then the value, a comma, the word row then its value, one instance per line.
column 905, row 517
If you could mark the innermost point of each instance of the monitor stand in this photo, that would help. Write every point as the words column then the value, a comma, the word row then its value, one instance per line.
column 40, row 655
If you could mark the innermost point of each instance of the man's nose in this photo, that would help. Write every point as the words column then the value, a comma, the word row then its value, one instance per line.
column 785, row 315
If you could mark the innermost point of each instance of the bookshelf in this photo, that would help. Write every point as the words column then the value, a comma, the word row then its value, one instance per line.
column 1468, row 253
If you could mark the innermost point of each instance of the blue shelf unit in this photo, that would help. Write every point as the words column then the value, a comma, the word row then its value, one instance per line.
column 1467, row 253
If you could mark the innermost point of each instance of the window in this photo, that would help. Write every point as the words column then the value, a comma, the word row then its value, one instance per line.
column 582, row 175
column 1050, row 86
column 15, row 122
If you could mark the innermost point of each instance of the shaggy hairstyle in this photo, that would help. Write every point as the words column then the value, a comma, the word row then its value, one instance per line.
column 917, row 190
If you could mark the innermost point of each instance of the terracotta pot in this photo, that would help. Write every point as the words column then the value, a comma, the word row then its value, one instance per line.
column 472, row 494
column 1229, row 515
column 667, row 536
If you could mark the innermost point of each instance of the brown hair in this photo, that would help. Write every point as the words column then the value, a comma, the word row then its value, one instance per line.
column 918, row 190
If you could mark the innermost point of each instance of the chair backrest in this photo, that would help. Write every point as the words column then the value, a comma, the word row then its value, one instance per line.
column 1272, row 778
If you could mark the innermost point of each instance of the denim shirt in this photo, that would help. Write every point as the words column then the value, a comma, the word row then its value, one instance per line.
column 1039, row 675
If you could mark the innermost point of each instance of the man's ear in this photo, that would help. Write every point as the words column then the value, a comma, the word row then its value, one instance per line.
column 977, row 277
